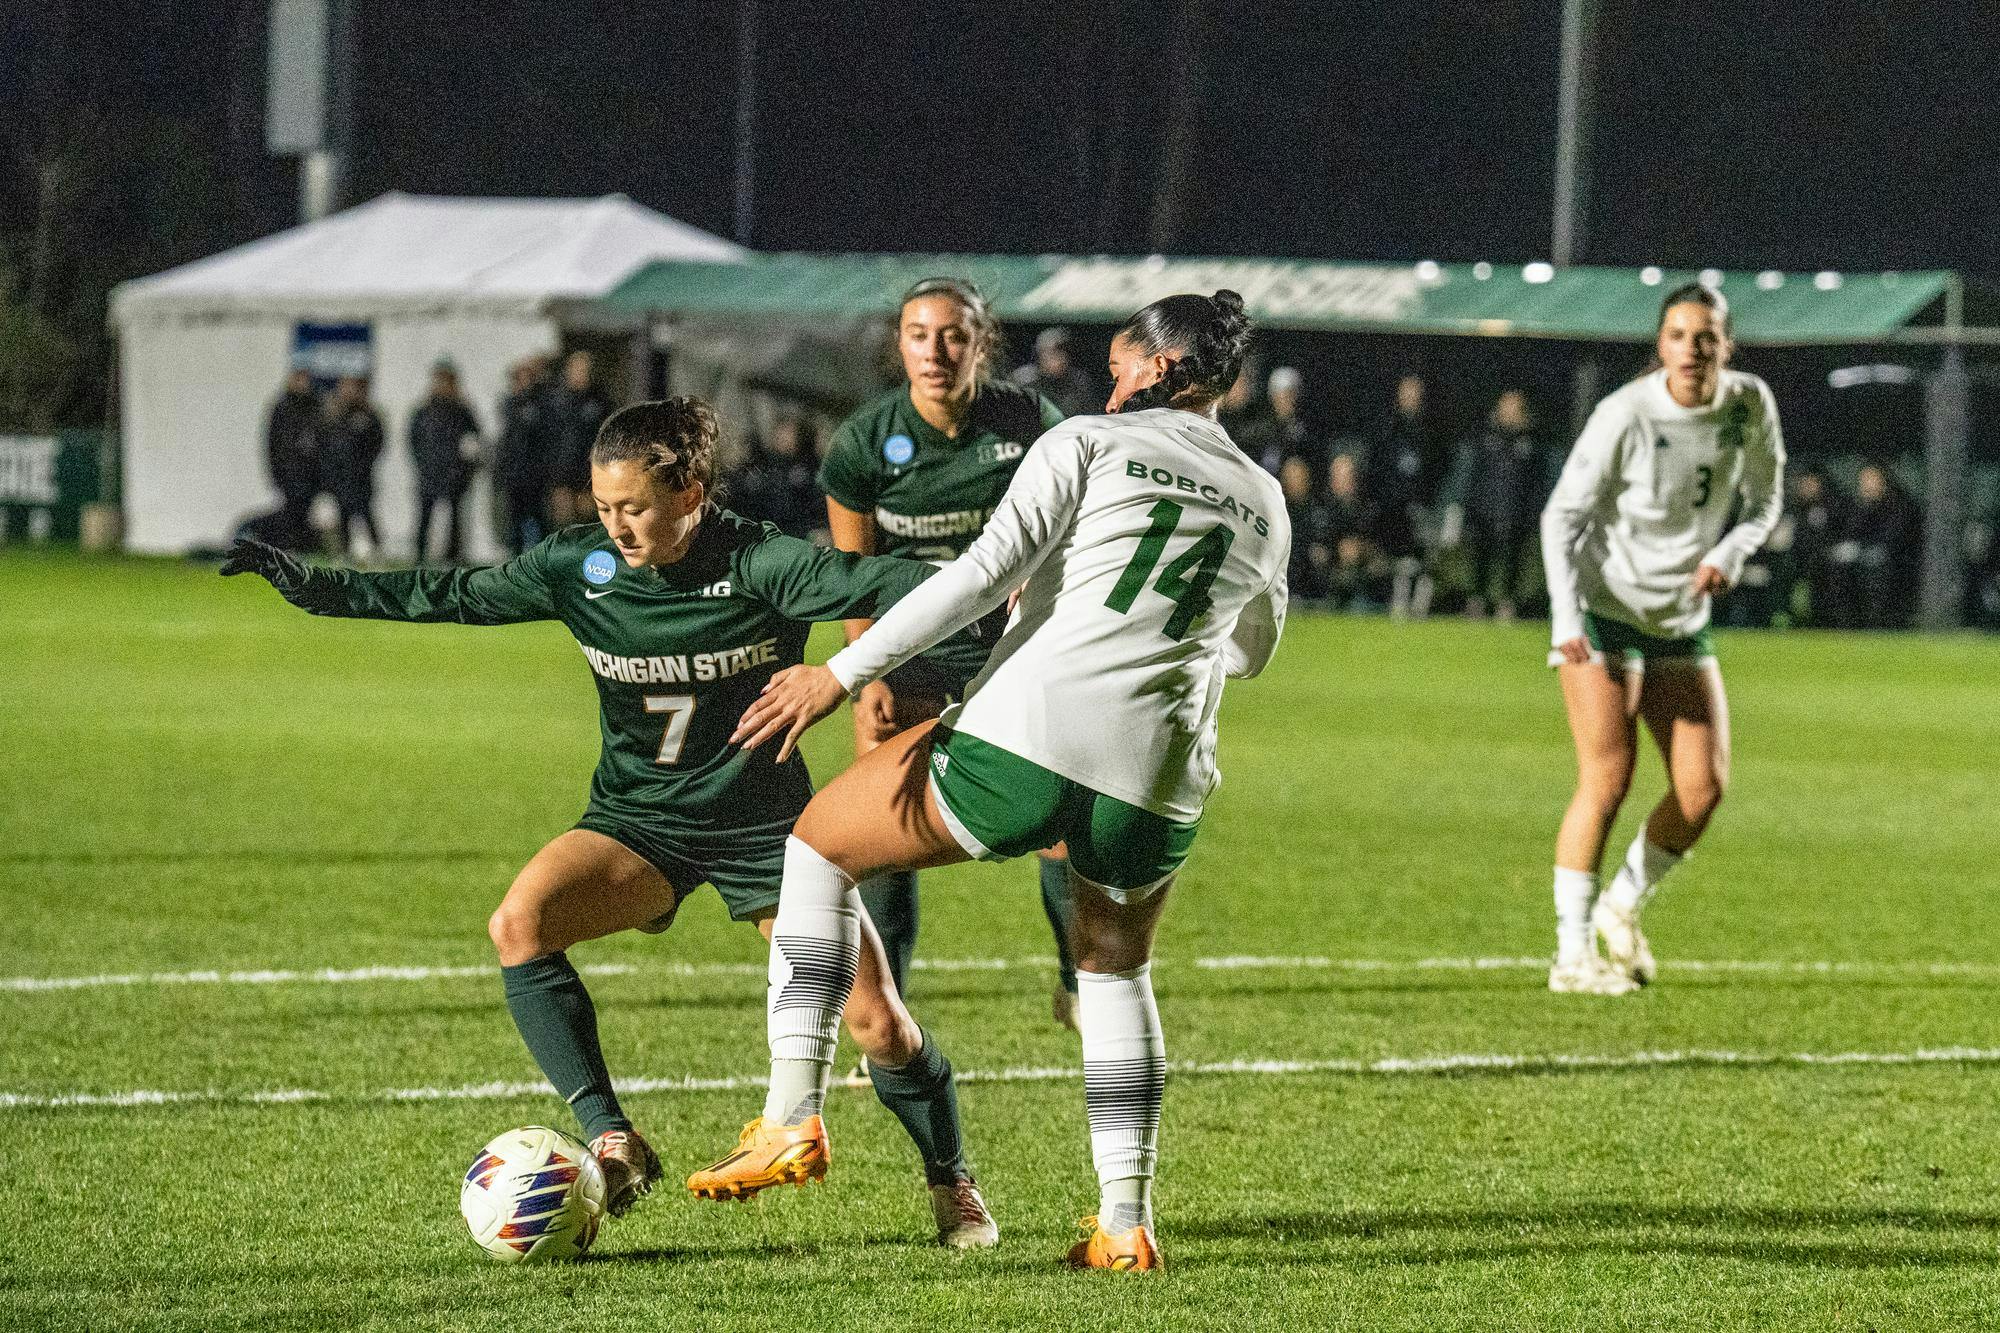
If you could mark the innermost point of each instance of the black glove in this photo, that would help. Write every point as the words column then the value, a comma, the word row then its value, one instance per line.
column 281, row 569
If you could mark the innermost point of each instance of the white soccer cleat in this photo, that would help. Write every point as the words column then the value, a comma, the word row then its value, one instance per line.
column 962, row 1220
column 1589, row 975
column 1625, row 946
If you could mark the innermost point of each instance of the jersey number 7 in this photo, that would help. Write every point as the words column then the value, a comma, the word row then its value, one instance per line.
column 1185, row 581
column 679, row 709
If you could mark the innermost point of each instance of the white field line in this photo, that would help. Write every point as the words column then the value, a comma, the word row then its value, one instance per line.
column 1391, row 1066
column 1234, row 962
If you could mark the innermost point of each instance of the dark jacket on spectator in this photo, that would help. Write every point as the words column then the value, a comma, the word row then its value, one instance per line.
column 437, row 441
column 525, row 456
column 350, row 443
column 291, row 446
column 576, row 415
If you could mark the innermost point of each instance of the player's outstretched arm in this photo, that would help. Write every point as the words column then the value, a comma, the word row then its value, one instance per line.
column 790, row 702
column 494, row 595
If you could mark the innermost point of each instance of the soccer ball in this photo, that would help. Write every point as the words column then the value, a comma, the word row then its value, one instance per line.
column 533, row 1194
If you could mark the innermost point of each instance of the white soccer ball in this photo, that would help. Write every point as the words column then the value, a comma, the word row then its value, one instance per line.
column 533, row 1194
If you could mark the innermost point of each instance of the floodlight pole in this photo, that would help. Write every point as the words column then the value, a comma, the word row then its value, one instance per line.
column 1576, row 81
column 746, row 120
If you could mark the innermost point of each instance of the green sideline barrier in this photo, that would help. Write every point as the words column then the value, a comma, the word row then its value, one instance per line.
column 46, row 481
column 1488, row 300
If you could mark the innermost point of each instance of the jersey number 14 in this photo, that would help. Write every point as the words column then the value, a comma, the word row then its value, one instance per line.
column 1186, row 579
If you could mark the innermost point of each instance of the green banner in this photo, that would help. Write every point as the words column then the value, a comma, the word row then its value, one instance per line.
column 45, row 482
column 1489, row 300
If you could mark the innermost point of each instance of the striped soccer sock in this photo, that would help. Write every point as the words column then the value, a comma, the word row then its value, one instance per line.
column 815, row 952
column 1124, row 1075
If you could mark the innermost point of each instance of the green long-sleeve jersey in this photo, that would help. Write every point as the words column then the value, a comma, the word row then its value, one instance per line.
column 677, row 652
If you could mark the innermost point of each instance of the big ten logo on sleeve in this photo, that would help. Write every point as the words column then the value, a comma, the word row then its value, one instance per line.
column 899, row 449
column 598, row 567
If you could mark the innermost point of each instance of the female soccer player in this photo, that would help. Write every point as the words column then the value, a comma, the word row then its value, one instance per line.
column 914, row 473
column 705, row 607
column 1635, row 547
column 1154, row 555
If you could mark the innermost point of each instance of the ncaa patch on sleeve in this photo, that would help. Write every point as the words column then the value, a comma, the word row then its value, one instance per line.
column 598, row 567
column 899, row 449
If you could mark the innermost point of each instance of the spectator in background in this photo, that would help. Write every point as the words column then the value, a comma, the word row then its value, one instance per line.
column 350, row 445
column 1055, row 375
column 525, row 457
column 1281, row 432
column 1240, row 408
column 579, row 409
column 1403, row 474
column 444, row 439
column 778, row 483
column 1338, row 534
column 1305, row 577
column 1501, row 473
column 1880, row 548
column 291, row 450
column 1813, row 521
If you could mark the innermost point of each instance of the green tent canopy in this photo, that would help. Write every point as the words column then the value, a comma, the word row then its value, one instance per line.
column 1491, row 300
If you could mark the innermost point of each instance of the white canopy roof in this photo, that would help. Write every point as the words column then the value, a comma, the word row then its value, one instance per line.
column 402, row 250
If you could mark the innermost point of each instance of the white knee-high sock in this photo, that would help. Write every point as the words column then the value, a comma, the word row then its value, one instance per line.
column 1645, row 866
column 1576, row 894
column 1124, row 1075
column 815, row 951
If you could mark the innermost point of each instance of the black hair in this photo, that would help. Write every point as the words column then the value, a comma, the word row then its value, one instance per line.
column 992, row 339
column 673, row 439
column 1697, row 293
column 1204, row 338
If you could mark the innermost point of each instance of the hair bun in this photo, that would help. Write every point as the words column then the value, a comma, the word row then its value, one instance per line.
column 1227, row 303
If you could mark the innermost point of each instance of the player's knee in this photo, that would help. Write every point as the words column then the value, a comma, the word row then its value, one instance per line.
column 886, row 1034
column 1698, row 799
column 516, row 934
column 1603, row 790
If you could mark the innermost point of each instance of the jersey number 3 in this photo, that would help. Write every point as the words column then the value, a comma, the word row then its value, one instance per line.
column 1186, row 579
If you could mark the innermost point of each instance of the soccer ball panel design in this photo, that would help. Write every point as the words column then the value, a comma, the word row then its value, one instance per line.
column 533, row 1194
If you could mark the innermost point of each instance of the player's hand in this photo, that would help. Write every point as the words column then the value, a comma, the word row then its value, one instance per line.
column 1710, row 581
column 874, row 716
column 1575, row 651
column 281, row 569
column 790, row 702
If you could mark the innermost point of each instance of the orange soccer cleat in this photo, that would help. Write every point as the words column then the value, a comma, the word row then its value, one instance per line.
column 766, row 1155
column 1133, row 1251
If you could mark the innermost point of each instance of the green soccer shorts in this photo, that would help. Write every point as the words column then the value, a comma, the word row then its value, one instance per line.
column 746, row 866
column 1616, row 641
column 999, row 805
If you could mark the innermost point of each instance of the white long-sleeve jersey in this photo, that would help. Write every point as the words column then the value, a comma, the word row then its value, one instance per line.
column 1643, row 500
column 1153, row 553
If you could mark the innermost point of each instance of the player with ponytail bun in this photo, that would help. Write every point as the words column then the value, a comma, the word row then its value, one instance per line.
column 1150, row 555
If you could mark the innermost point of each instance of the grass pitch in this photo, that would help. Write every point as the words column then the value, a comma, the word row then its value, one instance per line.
column 1380, row 1119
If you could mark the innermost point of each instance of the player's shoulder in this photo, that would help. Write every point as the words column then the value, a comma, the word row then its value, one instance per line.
column 866, row 423
column 1008, row 408
column 1740, row 386
column 578, row 539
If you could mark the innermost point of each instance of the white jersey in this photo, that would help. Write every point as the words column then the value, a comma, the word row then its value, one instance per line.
column 1643, row 500
column 1154, row 556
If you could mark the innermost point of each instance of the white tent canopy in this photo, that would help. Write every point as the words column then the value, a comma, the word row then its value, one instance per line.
column 484, row 282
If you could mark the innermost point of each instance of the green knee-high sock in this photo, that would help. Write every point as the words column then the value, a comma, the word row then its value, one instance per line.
column 1061, row 907
column 924, row 1096
column 559, row 1023
column 891, row 901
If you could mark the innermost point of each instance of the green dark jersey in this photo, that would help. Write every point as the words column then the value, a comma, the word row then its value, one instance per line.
column 930, row 494
column 677, row 652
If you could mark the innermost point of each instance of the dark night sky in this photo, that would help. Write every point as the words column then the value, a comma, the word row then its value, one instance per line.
column 1748, row 135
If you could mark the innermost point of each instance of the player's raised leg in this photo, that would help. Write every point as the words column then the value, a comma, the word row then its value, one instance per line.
column 1687, row 713
column 1599, row 696
column 816, row 945
column 1124, row 1068
column 581, row 886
